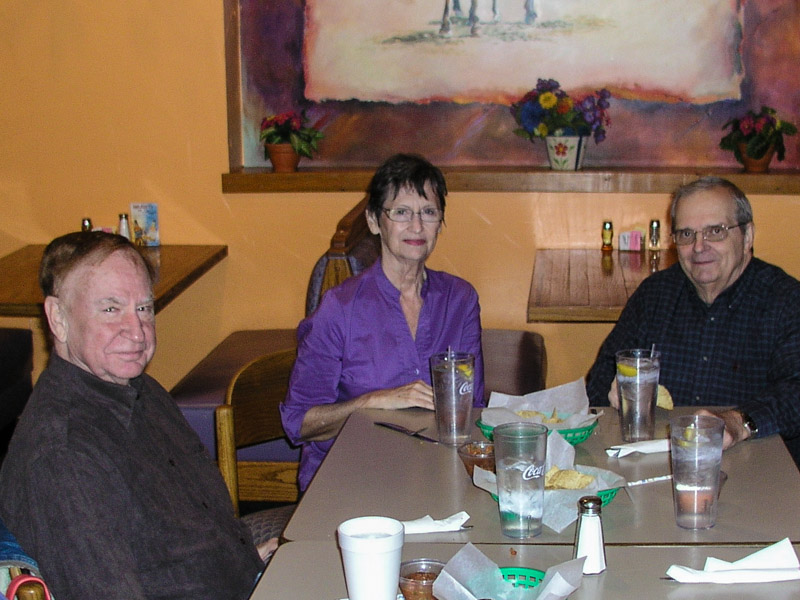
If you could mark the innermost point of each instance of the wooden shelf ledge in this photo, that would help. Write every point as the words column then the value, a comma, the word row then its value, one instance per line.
column 515, row 179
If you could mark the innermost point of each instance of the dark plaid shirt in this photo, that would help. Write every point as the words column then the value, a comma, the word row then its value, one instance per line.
column 743, row 350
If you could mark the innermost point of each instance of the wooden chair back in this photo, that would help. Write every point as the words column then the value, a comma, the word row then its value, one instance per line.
column 353, row 248
column 250, row 416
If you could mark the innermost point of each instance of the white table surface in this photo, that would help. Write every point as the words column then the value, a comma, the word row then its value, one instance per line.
column 371, row 470
column 313, row 571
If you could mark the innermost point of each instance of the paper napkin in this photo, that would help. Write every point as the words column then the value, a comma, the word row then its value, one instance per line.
column 646, row 447
column 428, row 524
column 569, row 400
column 777, row 562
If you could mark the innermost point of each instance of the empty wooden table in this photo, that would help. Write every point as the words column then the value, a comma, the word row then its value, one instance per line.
column 589, row 285
column 177, row 267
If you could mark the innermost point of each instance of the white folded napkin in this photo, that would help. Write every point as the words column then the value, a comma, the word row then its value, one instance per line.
column 777, row 562
column 428, row 524
column 646, row 447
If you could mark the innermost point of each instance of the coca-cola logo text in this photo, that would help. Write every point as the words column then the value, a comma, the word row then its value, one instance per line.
column 532, row 472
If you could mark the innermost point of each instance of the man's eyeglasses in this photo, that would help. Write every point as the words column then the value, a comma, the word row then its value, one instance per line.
column 406, row 215
column 712, row 233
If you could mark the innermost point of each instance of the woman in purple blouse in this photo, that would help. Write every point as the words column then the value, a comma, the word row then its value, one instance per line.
column 368, row 343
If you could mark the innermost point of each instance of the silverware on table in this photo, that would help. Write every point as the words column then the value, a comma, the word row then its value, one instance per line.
column 407, row 431
column 649, row 480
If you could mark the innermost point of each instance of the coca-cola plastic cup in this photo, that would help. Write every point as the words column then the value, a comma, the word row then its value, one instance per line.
column 453, row 376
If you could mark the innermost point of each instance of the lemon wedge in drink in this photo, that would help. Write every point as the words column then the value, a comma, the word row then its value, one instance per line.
column 466, row 370
column 664, row 399
column 626, row 370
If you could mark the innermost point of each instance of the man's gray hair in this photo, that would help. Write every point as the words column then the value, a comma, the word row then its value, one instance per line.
column 744, row 212
column 66, row 253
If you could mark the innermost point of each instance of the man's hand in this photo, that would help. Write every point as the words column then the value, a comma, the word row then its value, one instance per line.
column 266, row 549
column 735, row 431
column 613, row 394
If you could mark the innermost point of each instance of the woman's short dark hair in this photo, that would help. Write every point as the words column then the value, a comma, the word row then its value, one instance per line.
column 64, row 254
column 404, row 171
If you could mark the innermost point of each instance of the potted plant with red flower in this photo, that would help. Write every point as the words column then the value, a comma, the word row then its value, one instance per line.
column 286, row 138
column 549, row 112
column 756, row 137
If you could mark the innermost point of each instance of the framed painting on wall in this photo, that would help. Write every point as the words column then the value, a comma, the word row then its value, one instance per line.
column 438, row 77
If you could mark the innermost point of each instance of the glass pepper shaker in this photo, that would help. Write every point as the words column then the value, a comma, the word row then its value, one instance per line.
column 655, row 234
column 608, row 235
column 589, row 540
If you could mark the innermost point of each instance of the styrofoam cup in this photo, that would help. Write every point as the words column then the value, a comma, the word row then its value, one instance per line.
column 371, row 551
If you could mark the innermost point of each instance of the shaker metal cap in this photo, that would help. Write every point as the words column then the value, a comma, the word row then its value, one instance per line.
column 590, row 505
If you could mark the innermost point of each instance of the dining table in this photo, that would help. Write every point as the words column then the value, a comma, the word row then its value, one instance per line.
column 312, row 570
column 371, row 470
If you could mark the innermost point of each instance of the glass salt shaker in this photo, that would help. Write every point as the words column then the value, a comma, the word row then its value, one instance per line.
column 124, row 228
column 589, row 540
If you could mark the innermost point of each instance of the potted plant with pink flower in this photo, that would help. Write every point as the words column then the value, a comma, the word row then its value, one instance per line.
column 549, row 112
column 286, row 138
column 756, row 137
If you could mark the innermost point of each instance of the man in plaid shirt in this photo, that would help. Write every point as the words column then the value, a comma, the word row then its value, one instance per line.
column 727, row 324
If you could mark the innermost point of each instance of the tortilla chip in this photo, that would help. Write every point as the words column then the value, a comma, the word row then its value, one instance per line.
column 530, row 414
column 553, row 418
column 566, row 479
column 664, row 399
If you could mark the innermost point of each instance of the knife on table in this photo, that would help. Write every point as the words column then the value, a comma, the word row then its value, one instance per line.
column 406, row 430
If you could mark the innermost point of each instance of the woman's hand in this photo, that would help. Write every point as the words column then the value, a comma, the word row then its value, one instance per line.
column 417, row 393
column 324, row 421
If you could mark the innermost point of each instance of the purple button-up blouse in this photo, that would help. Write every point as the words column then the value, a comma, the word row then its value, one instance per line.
column 358, row 341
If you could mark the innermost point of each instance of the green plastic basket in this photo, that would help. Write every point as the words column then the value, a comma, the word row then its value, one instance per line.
column 606, row 496
column 573, row 436
column 522, row 577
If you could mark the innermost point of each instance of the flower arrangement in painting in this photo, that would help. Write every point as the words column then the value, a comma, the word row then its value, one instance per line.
column 290, row 128
column 756, row 133
column 548, row 110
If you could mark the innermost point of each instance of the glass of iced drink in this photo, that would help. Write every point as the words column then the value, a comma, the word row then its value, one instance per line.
column 520, row 451
column 452, row 376
column 696, row 447
column 637, row 384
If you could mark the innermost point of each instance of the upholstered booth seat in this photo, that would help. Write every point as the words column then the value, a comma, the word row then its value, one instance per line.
column 16, row 365
column 203, row 389
column 515, row 363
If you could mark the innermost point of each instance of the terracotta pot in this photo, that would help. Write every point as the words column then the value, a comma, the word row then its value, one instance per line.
column 283, row 158
column 756, row 165
column 566, row 152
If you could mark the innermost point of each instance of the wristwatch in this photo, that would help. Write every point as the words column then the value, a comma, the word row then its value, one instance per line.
column 749, row 424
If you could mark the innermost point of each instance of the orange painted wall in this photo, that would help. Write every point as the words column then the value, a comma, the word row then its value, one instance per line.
column 104, row 104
